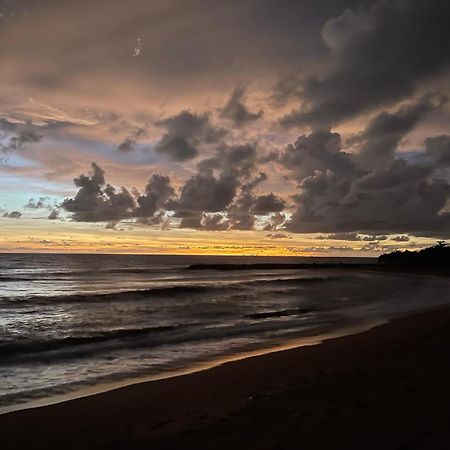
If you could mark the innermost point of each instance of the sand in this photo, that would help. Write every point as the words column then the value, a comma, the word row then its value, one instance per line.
column 387, row 388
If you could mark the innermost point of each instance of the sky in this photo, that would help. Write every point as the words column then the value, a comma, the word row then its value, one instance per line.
column 252, row 127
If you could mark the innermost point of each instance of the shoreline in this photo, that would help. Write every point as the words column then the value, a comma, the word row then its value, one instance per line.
column 368, row 390
column 346, row 329
column 291, row 340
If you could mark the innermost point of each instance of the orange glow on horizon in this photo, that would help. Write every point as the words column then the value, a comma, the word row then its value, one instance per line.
column 36, row 236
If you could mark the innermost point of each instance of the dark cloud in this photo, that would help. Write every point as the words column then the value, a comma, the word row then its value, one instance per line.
column 186, row 132
column 376, row 247
column 381, row 237
column 156, row 194
column 40, row 203
column 341, row 237
column 203, row 193
column 197, row 41
column 343, row 192
column 236, row 160
column 224, row 183
column 275, row 222
column 177, row 148
column 237, row 112
column 158, row 218
column 214, row 222
column 13, row 215
column 344, row 248
column 14, row 137
column 54, row 214
column 397, row 198
column 97, row 201
column 287, row 88
column 240, row 212
column 279, row 236
column 268, row 203
column 319, row 151
column 190, row 219
column 378, row 56
column 23, row 138
column 271, row 156
column 206, row 193
column 438, row 148
column 128, row 145
column 219, row 196
column 402, row 238
column 385, row 132
column 352, row 236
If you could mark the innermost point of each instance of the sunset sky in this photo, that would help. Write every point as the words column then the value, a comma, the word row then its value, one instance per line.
column 253, row 127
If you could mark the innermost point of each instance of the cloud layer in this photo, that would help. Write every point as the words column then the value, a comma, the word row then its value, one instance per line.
column 283, row 117
column 379, row 55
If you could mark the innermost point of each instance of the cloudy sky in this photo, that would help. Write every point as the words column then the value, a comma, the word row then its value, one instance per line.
column 269, row 127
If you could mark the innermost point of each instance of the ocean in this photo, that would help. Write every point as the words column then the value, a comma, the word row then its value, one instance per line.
column 71, row 324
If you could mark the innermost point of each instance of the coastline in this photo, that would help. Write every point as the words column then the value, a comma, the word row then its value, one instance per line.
column 387, row 385
column 332, row 332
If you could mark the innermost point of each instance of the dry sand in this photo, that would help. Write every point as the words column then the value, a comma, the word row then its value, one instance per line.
column 388, row 388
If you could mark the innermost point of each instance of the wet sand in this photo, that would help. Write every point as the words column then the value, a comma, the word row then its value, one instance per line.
column 387, row 388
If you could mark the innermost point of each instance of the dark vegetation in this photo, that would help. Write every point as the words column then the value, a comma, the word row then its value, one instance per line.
column 437, row 256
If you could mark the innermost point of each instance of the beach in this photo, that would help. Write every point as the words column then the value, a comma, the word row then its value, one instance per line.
column 381, row 389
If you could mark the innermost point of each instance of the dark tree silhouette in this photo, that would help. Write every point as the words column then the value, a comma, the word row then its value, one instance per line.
column 437, row 256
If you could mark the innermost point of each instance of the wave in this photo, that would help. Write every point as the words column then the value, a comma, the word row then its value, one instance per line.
column 74, row 273
column 105, row 345
column 174, row 290
column 282, row 313
column 302, row 280
column 112, row 296
column 4, row 278
column 156, row 291
column 137, row 270
column 12, row 349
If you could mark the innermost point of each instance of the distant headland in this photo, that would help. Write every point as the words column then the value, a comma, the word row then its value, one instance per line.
column 431, row 259
column 435, row 257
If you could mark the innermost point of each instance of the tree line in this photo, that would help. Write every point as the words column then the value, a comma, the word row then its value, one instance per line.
column 435, row 256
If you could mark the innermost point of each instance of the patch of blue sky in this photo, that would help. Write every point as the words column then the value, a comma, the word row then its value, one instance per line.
column 417, row 157
column 15, row 184
column 18, row 160
column 13, row 201
column 143, row 153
